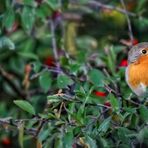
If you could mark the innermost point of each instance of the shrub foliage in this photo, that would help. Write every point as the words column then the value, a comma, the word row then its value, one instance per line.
column 62, row 73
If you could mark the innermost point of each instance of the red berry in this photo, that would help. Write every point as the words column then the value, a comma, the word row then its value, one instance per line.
column 56, row 14
column 6, row 141
column 49, row 61
column 107, row 103
column 100, row 94
column 123, row 63
column 135, row 41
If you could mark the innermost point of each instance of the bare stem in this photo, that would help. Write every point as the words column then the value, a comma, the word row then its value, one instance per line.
column 54, row 45
column 8, row 78
column 128, row 22
column 11, row 124
column 99, row 4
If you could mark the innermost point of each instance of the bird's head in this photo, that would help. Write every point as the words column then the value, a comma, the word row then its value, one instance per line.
column 138, row 53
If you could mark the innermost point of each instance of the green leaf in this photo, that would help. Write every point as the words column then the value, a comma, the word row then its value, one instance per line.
column 63, row 81
column 103, row 142
column 111, row 60
column 43, row 135
column 134, row 120
column 80, row 115
column 74, row 68
column 28, row 55
column 54, row 4
column 124, row 134
column 28, row 17
column 142, row 135
column 28, row 45
column 104, row 125
column 9, row 19
column 28, row 2
column 84, row 1
column 71, row 107
column 90, row 141
column 68, row 138
column 18, row 36
column 143, row 113
column 45, row 81
column 53, row 98
column 58, row 142
column 112, row 53
column 5, row 42
column 96, row 77
column 36, row 66
column 86, row 42
column 8, row 4
column 140, row 5
column 114, row 102
column 141, row 23
column 26, row 106
column 43, row 11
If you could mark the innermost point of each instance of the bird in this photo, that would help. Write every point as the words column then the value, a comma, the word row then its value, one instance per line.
column 136, row 73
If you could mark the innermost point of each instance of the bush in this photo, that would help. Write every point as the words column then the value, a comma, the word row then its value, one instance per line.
column 62, row 74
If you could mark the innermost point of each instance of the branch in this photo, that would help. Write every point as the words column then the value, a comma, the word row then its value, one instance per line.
column 95, row 119
column 46, row 68
column 54, row 45
column 99, row 4
column 128, row 22
column 42, row 123
column 66, row 97
column 116, row 91
column 9, row 122
column 8, row 78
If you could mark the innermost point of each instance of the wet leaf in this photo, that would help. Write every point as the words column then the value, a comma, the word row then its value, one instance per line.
column 5, row 42
column 63, row 81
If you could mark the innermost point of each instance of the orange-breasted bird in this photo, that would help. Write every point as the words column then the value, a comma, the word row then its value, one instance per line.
column 137, row 69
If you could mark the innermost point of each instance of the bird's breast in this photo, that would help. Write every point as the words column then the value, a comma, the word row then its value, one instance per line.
column 136, row 74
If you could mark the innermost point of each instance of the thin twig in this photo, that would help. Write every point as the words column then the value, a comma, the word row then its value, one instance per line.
column 66, row 97
column 133, row 102
column 110, row 90
column 128, row 22
column 46, row 68
column 54, row 45
column 98, row 117
column 116, row 92
column 6, row 122
column 8, row 79
column 99, row 4
column 42, row 123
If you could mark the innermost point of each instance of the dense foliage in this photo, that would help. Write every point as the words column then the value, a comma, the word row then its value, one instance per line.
column 62, row 73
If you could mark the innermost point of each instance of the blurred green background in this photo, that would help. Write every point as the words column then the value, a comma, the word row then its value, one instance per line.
column 62, row 65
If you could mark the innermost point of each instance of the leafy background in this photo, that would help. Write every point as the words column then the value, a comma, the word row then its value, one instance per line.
column 62, row 65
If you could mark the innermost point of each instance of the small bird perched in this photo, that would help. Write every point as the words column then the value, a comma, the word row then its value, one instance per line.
column 137, row 69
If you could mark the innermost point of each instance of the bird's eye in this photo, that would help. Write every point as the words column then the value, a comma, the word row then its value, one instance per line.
column 144, row 51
